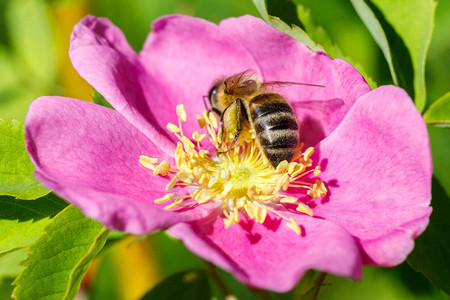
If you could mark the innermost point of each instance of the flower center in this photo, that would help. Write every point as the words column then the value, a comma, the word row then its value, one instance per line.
column 239, row 178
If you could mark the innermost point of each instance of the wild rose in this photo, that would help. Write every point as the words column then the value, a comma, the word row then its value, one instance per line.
column 372, row 192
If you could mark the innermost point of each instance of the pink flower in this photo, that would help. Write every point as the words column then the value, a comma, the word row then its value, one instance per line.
column 372, row 147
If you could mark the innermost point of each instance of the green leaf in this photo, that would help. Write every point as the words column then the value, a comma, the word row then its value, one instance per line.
column 188, row 285
column 440, row 145
column 295, row 32
column 438, row 113
column 317, row 33
column 374, row 27
column 283, row 9
column 59, row 258
column 30, row 31
column 413, row 20
column 9, row 263
column 325, row 44
column 99, row 99
column 22, row 222
column 431, row 255
column 16, row 169
column 6, row 287
column 261, row 7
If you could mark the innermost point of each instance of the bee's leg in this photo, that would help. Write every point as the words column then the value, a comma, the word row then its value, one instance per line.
column 238, row 126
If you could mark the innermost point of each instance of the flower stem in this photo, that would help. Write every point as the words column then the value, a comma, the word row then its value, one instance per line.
column 318, row 285
column 215, row 276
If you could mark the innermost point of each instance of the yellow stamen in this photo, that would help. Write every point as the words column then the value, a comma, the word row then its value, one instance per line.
column 294, row 226
column 317, row 171
column 173, row 128
column 201, row 121
column 148, row 162
column 181, row 113
column 162, row 169
column 303, row 208
column 163, row 199
column 242, row 181
column 171, row 183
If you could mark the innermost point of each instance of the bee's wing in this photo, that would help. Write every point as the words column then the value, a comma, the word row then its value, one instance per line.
column 275, row 85
column 233, row 82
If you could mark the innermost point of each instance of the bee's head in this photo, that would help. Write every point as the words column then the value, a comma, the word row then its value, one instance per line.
column 212, row 96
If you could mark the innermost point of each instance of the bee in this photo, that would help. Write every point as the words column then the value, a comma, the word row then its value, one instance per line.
column 244, row 103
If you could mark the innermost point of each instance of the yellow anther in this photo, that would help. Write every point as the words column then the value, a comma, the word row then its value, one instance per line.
column 225, row 174
column 201, row 121
column 197, row 136
column 148, row 162
column 282, row 166
column 185, row 177
column 308, row 152
column 203, row 153
column 204, row 179
column 181, row 113
column 250, row 209
column 268, row 189
column 316, row 191
column 206, row 117
column 212, row 180
column 174, row 204
column 163, row 199
column 261, row 214
column 171, row 183
column 236, row 215
column 227, row 187
column 173, row 128
column 288, row 200
column 203, row 196
column 251, row 192
column 285, row 181
column 188, row 145
column 321, row 186
column 301, row 169
column 303, row 208
column 162, row 169
column 294, row 226
column 241, row 202
column 293, row 166
column 317, row 171
column 227, row 221
column 213, row 121
column 197, row 172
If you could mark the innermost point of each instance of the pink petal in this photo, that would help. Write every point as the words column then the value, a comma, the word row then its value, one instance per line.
column 102, row 56
column 89, row 155
column 377, row 167
column 281, row 58
column 188, row 55
column 270, row 255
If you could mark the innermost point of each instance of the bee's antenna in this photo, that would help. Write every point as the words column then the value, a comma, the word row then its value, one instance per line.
column 204, row 102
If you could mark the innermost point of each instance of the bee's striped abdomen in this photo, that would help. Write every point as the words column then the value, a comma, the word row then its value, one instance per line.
column 276, row 127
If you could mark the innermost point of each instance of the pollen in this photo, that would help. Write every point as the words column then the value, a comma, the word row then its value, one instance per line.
column 241, row 181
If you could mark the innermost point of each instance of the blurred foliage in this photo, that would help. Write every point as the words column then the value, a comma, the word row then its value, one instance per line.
column 34, row 40
column 16, row 169
column 433, row 241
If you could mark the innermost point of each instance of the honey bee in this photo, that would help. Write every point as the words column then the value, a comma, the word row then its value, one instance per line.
column 243, row 103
